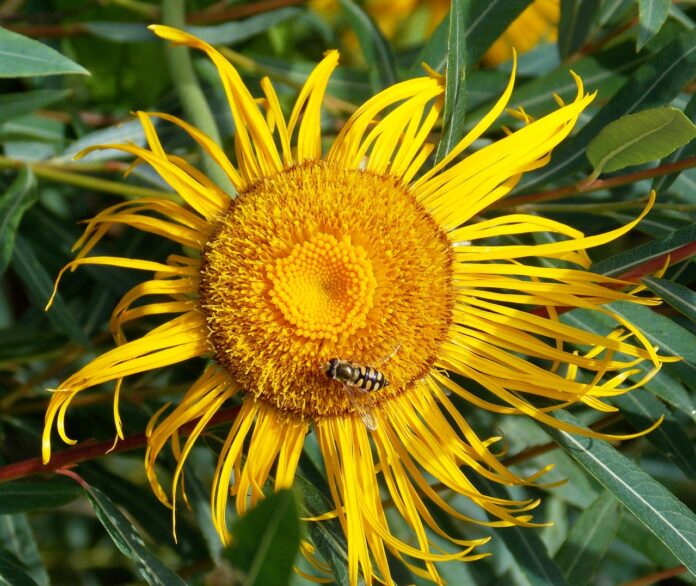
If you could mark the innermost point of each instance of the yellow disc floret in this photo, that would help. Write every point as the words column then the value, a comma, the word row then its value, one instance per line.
column 324, row 287
column 319, row 262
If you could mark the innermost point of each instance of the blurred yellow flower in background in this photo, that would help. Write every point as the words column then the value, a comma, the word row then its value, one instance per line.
column 538, row 23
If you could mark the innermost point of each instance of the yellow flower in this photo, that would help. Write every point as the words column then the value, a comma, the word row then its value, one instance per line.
column 359, row 254
column 536, row 24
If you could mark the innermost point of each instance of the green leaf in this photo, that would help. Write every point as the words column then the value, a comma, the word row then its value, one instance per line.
column 604, row 71
column 33, row 128
column 142, row 506
column 652, row 15
column 642, row 410
column 668, row 336
column 613, row 10
column 28, row 495
column 266, row 541
column 640, row 138
column 129, row 543
column 125, row 132
column 628, row 260
column 12, row 571
column 651, row 503
column 658, row 224
column 663, row 384
column 661, row 184
column 22, row 103
column 487, row 20
column 525, row 546
column 577, row 18
column 678, row 296
column 657, row 81
column 578, row 490
column 456, row 90
column 230, row 33
column 376, row 50
column 18, row 199
column 24, row 57
column 634, row 534
column 327, row 536
column 120, row 32
column 17, row 537
column 30, row 271
column 199, row 499
column 588, row 540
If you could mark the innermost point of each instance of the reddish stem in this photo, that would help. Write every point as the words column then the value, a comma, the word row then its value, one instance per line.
column 655, row 264
column 596, row 185
column 657, row 577
column 90, row 450
column 204, row 17
column 209, row 16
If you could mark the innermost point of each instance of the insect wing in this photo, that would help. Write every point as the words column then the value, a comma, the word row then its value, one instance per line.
column 366, row 414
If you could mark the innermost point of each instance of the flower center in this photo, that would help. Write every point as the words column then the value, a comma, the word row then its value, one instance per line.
column 324, row 287
column 318, row 262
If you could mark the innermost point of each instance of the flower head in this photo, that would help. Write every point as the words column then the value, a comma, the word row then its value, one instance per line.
column 365, row 256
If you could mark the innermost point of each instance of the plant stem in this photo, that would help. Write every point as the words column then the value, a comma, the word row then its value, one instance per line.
column 220, row 13
column 607, row 207
column 657, row 577
column 655, row 264
column 211, row 15
column 586, row 186
column 91, row 450
column 53, row 173
column 189, row 91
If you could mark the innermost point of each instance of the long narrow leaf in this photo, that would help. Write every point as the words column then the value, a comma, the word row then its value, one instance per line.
column 652, row 504
column 376, row 49
column 525, row 546
column 25, row 57
column 17, row 199
column 678, row 296
column 588, row 540
column 456, row 91
column 12, row 571
column 126, row 538
column 487, row 21
column 662, row 183
column 629, row 260
column 653, row 14
column 668, row 336
column 17, row 536
column 642, row 410
column 39, row 284
column 577, row 17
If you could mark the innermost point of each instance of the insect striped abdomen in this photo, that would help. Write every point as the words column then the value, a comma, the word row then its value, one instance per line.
column 365, row 378
column 370, row 379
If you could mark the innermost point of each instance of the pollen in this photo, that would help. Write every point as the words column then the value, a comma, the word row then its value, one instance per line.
column 319, row 262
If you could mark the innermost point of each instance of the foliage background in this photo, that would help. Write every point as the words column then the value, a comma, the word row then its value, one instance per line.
column 624, row 515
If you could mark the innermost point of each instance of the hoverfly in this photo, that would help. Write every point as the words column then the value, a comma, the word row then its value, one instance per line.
column 358, row 378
